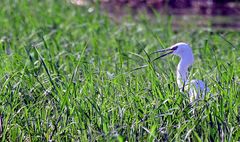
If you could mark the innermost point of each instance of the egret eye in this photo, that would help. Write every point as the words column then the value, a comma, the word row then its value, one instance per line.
column 174, row 48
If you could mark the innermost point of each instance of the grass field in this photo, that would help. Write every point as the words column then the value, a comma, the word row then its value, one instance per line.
column 69, row 73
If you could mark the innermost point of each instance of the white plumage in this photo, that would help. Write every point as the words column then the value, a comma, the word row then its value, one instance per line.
column 197, row 89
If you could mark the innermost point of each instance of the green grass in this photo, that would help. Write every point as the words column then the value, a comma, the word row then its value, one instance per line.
column 67, row 75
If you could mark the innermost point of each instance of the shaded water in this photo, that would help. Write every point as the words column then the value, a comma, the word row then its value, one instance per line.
column 219, row 15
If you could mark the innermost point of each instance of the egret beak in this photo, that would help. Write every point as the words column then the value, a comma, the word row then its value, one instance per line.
column 171, row 50
column 161, row 50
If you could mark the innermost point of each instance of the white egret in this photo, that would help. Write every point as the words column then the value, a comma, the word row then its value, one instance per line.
column 196, row 88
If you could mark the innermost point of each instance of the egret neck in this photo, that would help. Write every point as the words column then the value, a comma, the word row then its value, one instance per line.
column 186, row 61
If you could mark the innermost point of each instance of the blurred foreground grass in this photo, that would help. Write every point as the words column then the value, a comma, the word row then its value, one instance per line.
column 67, row 73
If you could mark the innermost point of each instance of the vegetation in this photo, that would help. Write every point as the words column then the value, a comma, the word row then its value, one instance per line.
column 71, row 73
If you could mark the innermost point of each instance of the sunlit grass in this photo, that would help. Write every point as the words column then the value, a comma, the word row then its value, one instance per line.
column 67, row 74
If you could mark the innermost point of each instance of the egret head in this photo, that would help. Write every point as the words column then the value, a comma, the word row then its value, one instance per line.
column 181, row 49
